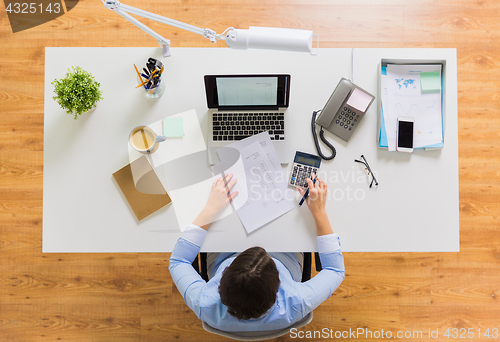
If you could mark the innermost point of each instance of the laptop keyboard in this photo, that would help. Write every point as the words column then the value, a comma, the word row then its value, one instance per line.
column 237, row 126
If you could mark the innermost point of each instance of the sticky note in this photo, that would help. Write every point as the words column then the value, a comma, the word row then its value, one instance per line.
column 430, row 82
column 359, row 100
column 173, row 127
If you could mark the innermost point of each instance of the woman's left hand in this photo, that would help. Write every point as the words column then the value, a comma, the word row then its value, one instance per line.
column 219, row 197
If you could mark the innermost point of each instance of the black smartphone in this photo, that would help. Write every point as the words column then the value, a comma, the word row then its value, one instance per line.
column 405, row 134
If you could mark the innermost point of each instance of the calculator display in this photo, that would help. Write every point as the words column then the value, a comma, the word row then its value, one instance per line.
column 307, row 161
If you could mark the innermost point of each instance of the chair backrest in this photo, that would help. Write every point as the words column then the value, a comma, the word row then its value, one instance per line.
column 258, row 335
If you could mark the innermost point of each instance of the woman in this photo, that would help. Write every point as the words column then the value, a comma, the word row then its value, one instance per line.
column 254, row 290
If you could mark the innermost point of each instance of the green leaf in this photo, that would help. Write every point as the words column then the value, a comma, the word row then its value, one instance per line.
column 77, row 92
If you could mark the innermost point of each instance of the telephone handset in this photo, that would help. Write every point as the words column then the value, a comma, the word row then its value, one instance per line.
column 342, row 113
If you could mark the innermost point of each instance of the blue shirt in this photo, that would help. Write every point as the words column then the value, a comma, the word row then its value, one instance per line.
column 294, row 299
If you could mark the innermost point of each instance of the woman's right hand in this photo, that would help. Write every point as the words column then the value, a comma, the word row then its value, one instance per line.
column 317, row 195
column 316, row 203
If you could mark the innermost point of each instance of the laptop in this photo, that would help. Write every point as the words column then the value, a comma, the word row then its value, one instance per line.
column 240, row 106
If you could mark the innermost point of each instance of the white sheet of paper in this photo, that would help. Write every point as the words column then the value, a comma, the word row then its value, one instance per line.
column 262, row 186
column 406, row 99
column 189, row 201
column 238, row 171
column 265, row 142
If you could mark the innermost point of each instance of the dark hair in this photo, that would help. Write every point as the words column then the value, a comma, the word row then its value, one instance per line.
column 249, row 285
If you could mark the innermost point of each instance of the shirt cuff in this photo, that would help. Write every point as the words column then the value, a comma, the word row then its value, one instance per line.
column 328, row 243
column 194, row 234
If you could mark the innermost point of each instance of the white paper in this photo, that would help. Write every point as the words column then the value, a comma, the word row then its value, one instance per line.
column 189, row 201
column 238, row 171
column 264, row 141
column 262, row 187
column 406, row 99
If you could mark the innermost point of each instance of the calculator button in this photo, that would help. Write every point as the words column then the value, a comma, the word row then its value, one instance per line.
column 349, row 111
column 350, row 128
column 345, row 108
column 342, row 112
column 357, row 116
column 345, row 126
column 341, row 123
column 348, row 122
column 340, row 117
column 343, row 119
column 350, row 117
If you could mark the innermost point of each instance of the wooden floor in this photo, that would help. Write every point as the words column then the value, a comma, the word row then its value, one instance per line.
column 131, row 297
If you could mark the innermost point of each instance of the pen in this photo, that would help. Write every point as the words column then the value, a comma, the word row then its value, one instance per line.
column 307, row 193
column 138, row 74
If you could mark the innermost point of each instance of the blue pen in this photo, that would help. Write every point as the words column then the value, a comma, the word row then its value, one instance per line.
column 307, row 193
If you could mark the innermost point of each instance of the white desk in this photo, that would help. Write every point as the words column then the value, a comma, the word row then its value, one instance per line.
column 415, row 208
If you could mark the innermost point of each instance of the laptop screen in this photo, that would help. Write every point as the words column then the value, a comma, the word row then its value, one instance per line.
column 247, row 91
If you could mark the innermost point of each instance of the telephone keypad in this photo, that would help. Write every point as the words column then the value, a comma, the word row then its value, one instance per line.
column 347, row 118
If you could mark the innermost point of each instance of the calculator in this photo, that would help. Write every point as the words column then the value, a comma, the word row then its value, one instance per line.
column 303, row 165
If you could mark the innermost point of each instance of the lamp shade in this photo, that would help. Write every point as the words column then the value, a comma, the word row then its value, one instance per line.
column 270, row 38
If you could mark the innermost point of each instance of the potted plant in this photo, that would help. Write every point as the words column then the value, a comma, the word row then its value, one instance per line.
column 78, row 92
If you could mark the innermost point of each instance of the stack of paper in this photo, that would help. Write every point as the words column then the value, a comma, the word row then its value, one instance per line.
column 263, row 190
column 412, row 91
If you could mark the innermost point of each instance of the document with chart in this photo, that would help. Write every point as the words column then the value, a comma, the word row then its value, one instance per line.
column 262, row 187
column 404, row 97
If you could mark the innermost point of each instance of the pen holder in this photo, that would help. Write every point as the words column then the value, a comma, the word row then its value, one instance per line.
column 156, row 92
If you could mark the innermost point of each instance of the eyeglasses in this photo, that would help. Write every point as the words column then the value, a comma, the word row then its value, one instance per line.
column 367, row 167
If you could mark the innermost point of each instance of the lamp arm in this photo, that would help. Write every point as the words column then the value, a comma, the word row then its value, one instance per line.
column 161, row 40
column 123, row 10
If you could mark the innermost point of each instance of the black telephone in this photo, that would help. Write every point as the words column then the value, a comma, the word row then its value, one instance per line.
column 341, row 115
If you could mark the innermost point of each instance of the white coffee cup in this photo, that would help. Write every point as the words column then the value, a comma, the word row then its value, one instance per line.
column 144, row 139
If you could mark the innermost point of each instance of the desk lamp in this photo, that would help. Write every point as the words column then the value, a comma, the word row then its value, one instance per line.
column 253, row 38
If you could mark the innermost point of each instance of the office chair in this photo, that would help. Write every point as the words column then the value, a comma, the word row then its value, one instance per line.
column 259, row 335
